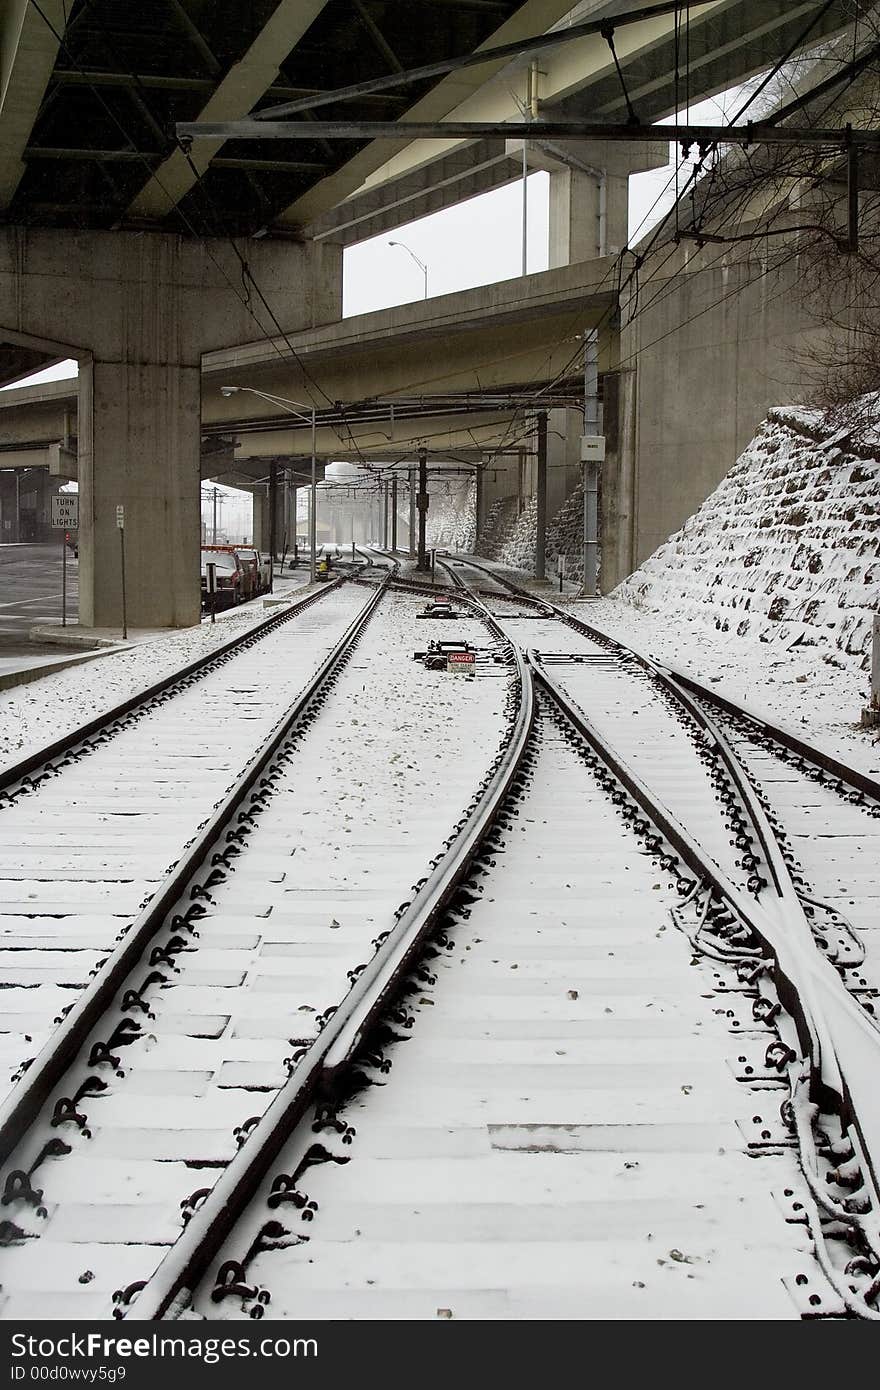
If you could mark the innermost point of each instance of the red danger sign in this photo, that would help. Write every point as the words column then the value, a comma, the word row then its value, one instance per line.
column 462, row 663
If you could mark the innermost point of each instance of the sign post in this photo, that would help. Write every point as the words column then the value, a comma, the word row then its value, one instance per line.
column 65, row 517
column 560, row 569
column 120, row 522
column 211, row 581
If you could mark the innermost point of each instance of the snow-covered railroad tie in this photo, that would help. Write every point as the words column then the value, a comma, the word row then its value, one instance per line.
column 89, row 828
column 137, row 1102
column 299, row 1225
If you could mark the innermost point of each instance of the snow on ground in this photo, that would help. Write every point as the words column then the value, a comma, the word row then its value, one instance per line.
column 36, row 714
column 768, row 591
column 796, row 688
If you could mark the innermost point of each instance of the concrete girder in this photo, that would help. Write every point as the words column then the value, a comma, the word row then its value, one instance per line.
column 533, row 16
column 246, row 82
column 142, row 309
column 724, row 51
column 472, row 435
column 481, row 339
column 28, row 49
column 471, row 169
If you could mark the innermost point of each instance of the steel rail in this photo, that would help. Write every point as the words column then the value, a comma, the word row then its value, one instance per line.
column 25, row 1103
column 859, row 781
column 841, row 1042
column 320, row 1071
column 23, row 770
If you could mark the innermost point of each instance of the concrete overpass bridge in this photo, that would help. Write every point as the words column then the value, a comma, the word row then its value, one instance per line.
column 162, row 270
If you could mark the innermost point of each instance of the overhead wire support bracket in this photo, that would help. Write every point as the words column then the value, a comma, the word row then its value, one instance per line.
column 607, row 32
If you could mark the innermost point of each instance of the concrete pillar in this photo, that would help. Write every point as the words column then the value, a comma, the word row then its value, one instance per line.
column 589, row 195
column 138, row 310
column 577, row 208
column 619, row 477
column 262, row 517
column 138, row 448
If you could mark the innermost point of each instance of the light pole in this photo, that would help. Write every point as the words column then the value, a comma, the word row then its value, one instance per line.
column 313, row 500
column 420, row 264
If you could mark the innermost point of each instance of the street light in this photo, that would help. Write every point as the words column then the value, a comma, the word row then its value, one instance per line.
column 313, row 500
column 420, row 264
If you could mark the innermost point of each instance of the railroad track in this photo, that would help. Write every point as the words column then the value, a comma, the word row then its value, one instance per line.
column 432, row 1057
column 89, row 826
column 428, row 1154
column 169, row 1056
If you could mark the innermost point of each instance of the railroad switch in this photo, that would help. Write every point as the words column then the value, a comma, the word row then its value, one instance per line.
column 453, row 655
column 439, row 608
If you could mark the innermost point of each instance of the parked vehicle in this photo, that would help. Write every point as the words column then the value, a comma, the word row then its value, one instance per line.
column 233, row 580
column 266, row 572
column 249, row 559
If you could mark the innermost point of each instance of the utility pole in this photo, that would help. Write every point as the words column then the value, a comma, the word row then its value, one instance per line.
column 422, row 504
column 478, row 502
column 591, row 466
column 394, row 512
column 541, row 528
column 412, row 513
column 273, row 511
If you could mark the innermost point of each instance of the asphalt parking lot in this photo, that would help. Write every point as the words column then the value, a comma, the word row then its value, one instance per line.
column 30, row 588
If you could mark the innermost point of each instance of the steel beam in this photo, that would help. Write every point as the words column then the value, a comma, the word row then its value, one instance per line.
column 752, row 133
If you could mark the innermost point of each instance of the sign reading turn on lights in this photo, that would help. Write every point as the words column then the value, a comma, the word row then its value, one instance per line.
column 65, row 511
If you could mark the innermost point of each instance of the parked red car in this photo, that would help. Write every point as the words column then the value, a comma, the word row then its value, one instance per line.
column 234, row 577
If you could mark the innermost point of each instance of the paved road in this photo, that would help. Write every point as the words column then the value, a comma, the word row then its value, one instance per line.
column 30, row 588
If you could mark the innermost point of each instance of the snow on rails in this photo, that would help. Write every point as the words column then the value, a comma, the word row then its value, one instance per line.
column 517, row 1010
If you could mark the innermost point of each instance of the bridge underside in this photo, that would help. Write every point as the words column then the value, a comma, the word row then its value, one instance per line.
column 115, row 247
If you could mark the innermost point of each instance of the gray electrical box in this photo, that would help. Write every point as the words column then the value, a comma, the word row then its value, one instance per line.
column 592, row 448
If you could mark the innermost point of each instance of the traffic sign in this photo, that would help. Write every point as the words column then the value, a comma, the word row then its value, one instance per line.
column 65, row 511
column 120, row 518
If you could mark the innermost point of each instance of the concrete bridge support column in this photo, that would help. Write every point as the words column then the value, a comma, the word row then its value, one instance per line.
column 139, row 449
column 261, row 519
column 138, row 310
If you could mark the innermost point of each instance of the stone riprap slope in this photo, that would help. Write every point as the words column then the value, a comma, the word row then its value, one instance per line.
column 511, row 539
column 500, row 521
column 452, row 519
column 786, row 550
